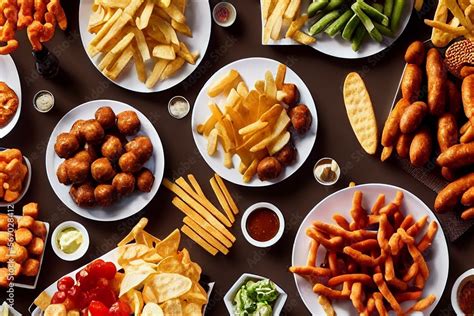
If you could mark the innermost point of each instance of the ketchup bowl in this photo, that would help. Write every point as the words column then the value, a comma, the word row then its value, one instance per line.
column 263, row 224
column 462, row 282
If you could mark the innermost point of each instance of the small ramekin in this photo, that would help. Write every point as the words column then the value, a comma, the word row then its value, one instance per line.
column 460, row 281
column 281, row 229
column 81, row 251
column 175, row 98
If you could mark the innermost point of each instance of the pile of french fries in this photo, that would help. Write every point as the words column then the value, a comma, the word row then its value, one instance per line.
column 461, row 24
column 145, row 30
column 251, row 124
column 377, row 269
column 204, row 223
column 280, row 15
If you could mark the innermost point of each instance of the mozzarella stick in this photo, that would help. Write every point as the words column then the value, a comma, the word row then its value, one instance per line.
column 415, row 229
column 379, row 305
column 365, row 245
column 407, row 222
column 356, row 296
column 310, row 271
column 312, row 253
column 353, row 277
column 383, row 288
column 361, row 258
column 389, row 269
column 341, row 221
column 411, row 272
column 408, row 296
column 407, row 239
column 422, row 304
column 427, row 239
column 418, row 258
column 334, row 243
column 323, row 290
column 378, row 204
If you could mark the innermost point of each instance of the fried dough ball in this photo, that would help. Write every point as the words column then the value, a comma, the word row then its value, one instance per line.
column 18, row 253
column 86, row 155
column 61, row 173
column 287, row 155
column 92, row 131
column 3, row 222
column 292, row 95
column 105, row 194
column 26, row 222
column 83, row 194
column 23, row 236
column 3, row 254
column 39, row 229
column 124, row 183
column 301, row 118
column 15, row 268
column 36, row 246
column 4, row 277
column 66, row 145
column 102, row 170
column 30, row 267
column 128, row 123
column 141, row 146
column 4, row 237
column 112, row 148
column 76, row 130
column 145, row 179
column 105, row 116
column 30, row 209
column 268, row 168
column 129, row 162
column 77, row 170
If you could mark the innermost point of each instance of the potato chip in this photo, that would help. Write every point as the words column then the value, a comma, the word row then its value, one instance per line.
column 136, row 272
column 135, row 301
column 152, row 309
column 172, row 307
column 190, row 308
column 171, row 264
column 165, row 286
column 195, row 295
column 169, row 245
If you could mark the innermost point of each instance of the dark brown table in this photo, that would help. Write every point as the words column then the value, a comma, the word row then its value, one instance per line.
column 79, row 81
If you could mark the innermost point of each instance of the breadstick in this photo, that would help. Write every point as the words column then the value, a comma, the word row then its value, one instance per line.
column 383, row 288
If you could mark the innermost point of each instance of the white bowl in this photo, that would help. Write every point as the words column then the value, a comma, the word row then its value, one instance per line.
column 460, row 281
column 82, row 248
column 26, row 183
column 281, row 229
column 326, row 160
column 229, row 296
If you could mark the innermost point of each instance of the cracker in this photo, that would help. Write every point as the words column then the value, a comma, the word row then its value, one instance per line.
column 458, row 55
column 360, row 112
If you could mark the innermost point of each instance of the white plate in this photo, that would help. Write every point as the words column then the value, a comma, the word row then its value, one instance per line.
column 341, row 201
column 26, row 184
column 338, row 47
column 251, row 70
column 127, row 206
column 9, row 75
column 198, row 14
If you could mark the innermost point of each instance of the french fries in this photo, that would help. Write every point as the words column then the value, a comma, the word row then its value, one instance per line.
column 204, row 223
column 360, row 266
column 140, row 30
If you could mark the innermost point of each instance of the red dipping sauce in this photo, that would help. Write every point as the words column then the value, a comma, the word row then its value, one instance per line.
column 263, row 224
column 466, row 297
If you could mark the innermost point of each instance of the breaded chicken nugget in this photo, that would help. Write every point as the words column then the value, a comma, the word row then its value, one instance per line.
column 30, row 267
column 23, row 236
column 36, row 246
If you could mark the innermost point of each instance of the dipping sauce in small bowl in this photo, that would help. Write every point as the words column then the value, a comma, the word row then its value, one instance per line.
column 70, row 241
column 43, row 101
column 224, row 14
column 178, row 107
column 262, row 224
column 466, row 297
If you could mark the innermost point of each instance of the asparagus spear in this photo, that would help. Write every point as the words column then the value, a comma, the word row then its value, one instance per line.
column 373, row 13
column 320, row 25
column 396, row 15
column 350, row 27
column 339, row 24
column 367, row 22
column 315, row 6
column 358, row 38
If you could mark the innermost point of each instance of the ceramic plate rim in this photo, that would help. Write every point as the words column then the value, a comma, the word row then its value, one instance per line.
column 15, row 84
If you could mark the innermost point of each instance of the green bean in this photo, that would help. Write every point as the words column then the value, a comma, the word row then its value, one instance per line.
column 350, row 27
column 378, row 7
column 339, row 24
column 358, row 38
column 320, row 25
column 373, row 13
column 315, row 6
column 396, row 15
column 388, row 7
column 383, row 29
column 367, row 22
column 334, row 4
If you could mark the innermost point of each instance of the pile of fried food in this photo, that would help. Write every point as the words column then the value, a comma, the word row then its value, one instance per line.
column 255, row 124
column 21, row 249
column 413, row 124
column 376, row 260
column 145, row 30
column 204, row 223
column 39, row 17
column 156, row 278
column 280, row 15
column 13, row 172
column 101, row 163
column 8, row 103
column 452, row 19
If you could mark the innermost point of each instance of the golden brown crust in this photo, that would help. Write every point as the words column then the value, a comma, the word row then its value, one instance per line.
column 392, row 125
column 447, row 131
column 8, row 104
column 415, row 53
column 448, row 198
column 421, row 148
column 436, row 75
column 413, row 116
column 457, row 156
column 411, row 82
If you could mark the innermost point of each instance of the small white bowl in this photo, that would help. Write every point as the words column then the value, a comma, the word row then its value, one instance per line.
column 26, row 184
column 281, row 229
column 82, row 248
column 178, row 98
column 39, row 93
column 229, row 296
column 460, row 281
column 232, row 13
column 327, row 160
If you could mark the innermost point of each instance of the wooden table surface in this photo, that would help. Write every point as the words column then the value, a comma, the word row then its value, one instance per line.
column 79, row 82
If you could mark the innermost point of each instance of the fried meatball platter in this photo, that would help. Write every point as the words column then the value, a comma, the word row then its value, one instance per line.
column 105, row 160
column 261, row 129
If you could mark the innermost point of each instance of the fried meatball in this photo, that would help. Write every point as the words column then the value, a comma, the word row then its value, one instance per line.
column 3, row 222
column 128, row 123
column 15, row 268
column 30, row 267
column 93, row 151
column 83, row 194
column 85, row 155
column 4, row 238
column 105, row 116
column 268, row 168
column 102, row 170
column 92, row 131
column 77, row 170
column 292, row 95
column 145, row 179
column 301, row 118
column 26, row 222
column 287, row 155
column 18, row 253
column 61, row 173
column 36, row 246
column 129, row 162
column 4, row 282
column 23, row 236
column 4, row 254
column 141, row 146
column 66, row 145
column 76, row 130
column 39, row 229
column 124, row 183
column 105, row 194
column 112, row 148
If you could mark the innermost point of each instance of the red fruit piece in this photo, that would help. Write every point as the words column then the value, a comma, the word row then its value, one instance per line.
column 97, row 308
column 109, row 270
column 69, row 304
column 58, row 297
column 65, row 283
column 120, row 308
